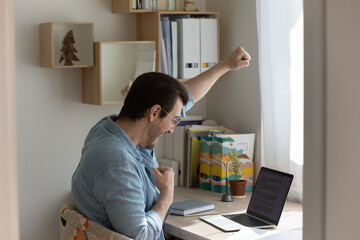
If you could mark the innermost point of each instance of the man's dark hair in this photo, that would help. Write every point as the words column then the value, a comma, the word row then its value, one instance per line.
column 150, row 89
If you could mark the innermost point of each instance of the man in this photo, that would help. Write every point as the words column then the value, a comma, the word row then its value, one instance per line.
column 118, row 182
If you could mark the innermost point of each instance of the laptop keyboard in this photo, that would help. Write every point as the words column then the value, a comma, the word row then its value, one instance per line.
column 246, row 220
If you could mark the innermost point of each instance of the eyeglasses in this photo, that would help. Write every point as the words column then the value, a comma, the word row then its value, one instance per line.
column 176, row 120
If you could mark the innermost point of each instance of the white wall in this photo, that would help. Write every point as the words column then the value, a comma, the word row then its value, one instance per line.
column 234, row 101
column 52, row 122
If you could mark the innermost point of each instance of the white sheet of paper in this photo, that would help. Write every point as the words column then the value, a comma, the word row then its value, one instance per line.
column 289, row 228
column 260, row 234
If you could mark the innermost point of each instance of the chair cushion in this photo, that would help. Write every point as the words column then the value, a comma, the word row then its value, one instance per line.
column 75, row 226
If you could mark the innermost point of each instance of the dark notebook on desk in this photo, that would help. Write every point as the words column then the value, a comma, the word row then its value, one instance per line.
column 265, row 206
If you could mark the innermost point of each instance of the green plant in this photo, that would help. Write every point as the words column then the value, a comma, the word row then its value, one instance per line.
column 235, row 162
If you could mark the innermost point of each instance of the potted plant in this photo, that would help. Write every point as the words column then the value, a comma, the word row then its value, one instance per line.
column 237, row 185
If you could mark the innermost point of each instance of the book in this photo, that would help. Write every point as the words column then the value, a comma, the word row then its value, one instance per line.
column 162, row 5
column 179, row 151
column 174, row 49
column 192, row 117
column 155, row 4
column 138, row 4
column 190, row 207
column 194, row 134
column 191, row 120
column 205, row 162
column 166, row 33
column 193, row 159
column 222, row 145
column 169, row 146
column 206, row 128
column 147, row 4
column 172, row 5
column 164, row 66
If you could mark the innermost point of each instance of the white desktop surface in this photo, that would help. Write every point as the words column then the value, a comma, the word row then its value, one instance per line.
column 193, row 228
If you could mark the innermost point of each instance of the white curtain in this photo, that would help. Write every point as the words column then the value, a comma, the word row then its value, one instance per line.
column 280, row 32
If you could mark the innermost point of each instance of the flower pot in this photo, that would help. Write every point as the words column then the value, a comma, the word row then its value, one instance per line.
column 237, row 188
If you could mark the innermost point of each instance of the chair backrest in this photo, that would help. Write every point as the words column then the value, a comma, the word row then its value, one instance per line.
column 75, row 226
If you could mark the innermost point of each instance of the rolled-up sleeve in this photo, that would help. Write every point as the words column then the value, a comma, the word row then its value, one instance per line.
column 121, row 192
column 189, row 105
column 154, row 219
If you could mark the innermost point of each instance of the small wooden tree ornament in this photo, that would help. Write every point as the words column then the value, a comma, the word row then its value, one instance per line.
column 68, row 50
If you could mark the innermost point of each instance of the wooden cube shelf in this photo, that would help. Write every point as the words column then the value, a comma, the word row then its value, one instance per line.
column 117, row 64
column 66, row 44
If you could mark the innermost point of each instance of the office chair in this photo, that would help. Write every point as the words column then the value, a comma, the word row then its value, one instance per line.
column 75, row 226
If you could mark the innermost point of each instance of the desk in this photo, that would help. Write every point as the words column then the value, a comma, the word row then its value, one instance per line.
column 195, row 229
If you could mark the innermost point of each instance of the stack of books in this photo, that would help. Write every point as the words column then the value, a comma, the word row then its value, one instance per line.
column 171, row 5
column 182, row 150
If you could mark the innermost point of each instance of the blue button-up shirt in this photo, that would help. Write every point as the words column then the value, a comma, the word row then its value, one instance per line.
column 112, row 184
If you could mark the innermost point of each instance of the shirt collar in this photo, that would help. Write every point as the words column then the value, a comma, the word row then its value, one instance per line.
column 115, row 129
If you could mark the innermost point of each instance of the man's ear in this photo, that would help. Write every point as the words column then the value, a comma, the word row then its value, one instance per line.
column 154, row 112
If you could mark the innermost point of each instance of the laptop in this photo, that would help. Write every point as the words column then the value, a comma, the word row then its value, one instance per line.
column 265, row 206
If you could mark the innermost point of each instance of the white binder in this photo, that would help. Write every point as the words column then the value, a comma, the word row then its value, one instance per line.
column 163, row 162
column 208, row 43
column 166, row 33
column 189, row 47
column 164, row 65
column 179, row 151
column 174, row 49
column 169, row 146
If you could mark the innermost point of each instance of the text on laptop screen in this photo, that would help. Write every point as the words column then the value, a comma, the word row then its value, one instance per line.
column 268, row 199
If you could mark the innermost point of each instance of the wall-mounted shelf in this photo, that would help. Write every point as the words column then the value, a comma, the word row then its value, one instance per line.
column 149, row 28
column 116, row 64
column 66, row 44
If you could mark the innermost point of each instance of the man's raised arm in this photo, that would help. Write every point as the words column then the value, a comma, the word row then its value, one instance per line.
column 201, row 84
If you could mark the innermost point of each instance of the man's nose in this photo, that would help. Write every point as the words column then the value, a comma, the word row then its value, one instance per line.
column 171, row 130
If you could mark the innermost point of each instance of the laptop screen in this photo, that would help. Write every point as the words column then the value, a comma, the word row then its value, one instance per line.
column 269, row 195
